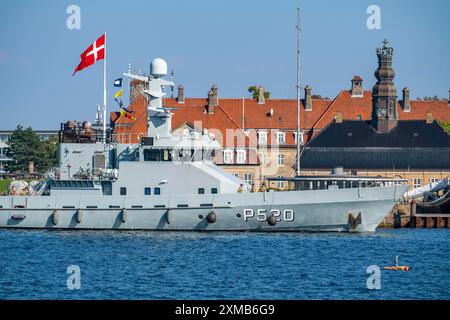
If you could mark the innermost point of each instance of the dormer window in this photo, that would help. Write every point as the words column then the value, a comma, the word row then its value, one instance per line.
column 262, row 137
column 301, row 137
column 240, row 156
column 281, row 138
column 228, row 156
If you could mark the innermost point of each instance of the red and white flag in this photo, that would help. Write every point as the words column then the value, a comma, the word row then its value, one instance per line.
column 95, row 52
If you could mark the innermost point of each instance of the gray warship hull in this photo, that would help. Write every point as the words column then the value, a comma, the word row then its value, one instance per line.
column 340, row 210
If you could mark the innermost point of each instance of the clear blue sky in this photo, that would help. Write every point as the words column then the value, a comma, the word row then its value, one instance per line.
column 232, row 43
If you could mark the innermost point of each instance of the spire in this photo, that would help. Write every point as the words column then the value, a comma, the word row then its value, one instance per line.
column 384, row 93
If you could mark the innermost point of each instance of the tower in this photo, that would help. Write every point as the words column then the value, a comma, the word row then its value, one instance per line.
column 384, row 93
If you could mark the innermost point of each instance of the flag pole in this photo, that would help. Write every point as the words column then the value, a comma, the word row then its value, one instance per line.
column 104, row 94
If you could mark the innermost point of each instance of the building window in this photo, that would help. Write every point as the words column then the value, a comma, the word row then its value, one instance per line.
column 281, row 138
column 201, row 190
column 236, row 175
column 262, row 137
column 301, row 137
column 433, row 180
column 280, row 160
column 157, row 191
column 262, row 158
column 123, row 191
column 148, row 191
column 280, row 183
column 240, row 156
column 359, row 117
column 248, row 179
column 228, row 156
column 417, row 183
column 214, row 190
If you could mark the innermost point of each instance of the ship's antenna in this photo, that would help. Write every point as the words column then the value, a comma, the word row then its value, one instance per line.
column 171, row 79
column 129, row 84
column 298, row 27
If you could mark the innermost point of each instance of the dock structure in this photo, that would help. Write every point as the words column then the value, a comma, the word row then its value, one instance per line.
column 405, row 216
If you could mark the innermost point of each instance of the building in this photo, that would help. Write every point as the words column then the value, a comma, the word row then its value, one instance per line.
column 267, row 128
column 385, row 145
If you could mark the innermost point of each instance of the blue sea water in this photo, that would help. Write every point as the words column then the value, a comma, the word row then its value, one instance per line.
column 174, row 265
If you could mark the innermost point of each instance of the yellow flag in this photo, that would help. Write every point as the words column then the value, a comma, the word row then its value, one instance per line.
column 118, row 94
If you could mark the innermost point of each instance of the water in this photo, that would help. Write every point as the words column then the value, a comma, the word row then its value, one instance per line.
column 158, row 265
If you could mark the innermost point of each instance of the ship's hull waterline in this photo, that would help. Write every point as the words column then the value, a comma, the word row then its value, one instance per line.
column 352, row 210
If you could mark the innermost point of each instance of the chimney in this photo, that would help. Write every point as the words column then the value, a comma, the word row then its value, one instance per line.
column 31, row 167
column 180, row 98
column 338, row 117
column 429, row 118
column 261, row 99
column 308, row 99
column 357, row 88
column 213, row 99
column 406, row 104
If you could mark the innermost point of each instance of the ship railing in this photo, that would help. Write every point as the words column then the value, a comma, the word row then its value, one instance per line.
column 338, row 182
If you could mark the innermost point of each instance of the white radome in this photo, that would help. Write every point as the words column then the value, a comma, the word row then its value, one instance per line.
column 158, row 68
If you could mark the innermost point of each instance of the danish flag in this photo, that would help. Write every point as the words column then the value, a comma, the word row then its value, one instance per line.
column 95, row 52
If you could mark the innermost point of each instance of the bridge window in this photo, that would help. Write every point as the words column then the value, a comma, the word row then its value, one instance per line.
column 214, row 190
column 157, row 191
column 201, row 190
column 152, row 155
column 123, row 191
column 148, row 191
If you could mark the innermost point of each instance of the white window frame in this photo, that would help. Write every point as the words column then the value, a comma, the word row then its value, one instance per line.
column 263, row 158
column 228, row 156
column 281, row 137
column 280, row 183
column 301, row 137
column 417, row 183
column 280, row 160
column 261, row 140
column 433, row 180
column 248, row 179
column 241, row 156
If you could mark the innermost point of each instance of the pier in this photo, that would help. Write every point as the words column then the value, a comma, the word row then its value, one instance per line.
column 405, row 216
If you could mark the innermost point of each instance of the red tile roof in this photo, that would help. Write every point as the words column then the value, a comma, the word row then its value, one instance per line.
column 277, row 114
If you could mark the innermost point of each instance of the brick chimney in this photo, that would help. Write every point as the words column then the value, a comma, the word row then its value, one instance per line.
column 406, row 104
column 213, row 99
column 357, row 88
column 308, row 99
column 261, row 99
column 429, row 119
column 180, row 97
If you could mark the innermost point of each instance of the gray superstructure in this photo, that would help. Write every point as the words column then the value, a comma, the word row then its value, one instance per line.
column 169, row 182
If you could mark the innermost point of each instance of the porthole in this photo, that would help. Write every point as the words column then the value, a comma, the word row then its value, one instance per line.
column 200, row 216
column 238, row 215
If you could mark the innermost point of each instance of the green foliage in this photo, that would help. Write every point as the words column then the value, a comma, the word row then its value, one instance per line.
column 254, row 91
column 433, row 98
column 445, row 126
column 25, row 146
column 4, row 184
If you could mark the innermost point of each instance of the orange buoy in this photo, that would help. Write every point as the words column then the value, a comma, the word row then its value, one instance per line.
column 397, row 267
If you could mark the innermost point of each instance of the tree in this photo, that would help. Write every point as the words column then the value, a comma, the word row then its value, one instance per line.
column 445, row 126
column 254, row 91
column 433, row 98
column 25, row 146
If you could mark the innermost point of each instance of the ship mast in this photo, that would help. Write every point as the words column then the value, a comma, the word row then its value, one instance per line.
column 297, row 26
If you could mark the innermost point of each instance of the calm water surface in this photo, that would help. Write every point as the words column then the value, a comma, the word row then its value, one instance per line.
column 157, row 265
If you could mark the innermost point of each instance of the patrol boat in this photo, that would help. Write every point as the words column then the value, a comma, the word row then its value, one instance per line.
column 169, row 182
